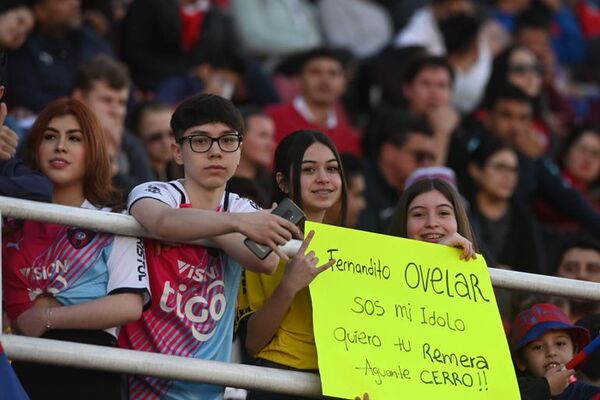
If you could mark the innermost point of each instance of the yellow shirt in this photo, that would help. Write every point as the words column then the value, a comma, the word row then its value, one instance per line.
column 293, row 344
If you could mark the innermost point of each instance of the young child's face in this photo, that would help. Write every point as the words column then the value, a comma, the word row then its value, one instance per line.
column 553, row 349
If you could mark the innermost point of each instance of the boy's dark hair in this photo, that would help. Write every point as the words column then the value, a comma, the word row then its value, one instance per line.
column 580, row 242
column 391, row 126
column 460, row 32
column 352, row 165
column 203, row 109
column 486, row 149
column 422, row 63
column 226, row 60
column 251, row 111
column 506, row 92
column 102, row 68
column 537, row 16
column 339, row 55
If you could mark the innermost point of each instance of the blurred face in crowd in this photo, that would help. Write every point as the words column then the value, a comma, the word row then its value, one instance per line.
column 525, row 72
column 60, row 14
column 536, row 40
column 431, row 217
column 220, row 81
column 553, row 349
column 15, row 26
column 431, row 88
column 322, row 81
column 259, row 140
column 110, row 107
column 155, row 132
column 356, row 199
column 499, row 176
column 583, row 158
column 401, row 161
column 62, row 152
column 509, row 118
column 581, row 264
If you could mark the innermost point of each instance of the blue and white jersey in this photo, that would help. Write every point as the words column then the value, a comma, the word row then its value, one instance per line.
column 191, row 315
column 72, row 265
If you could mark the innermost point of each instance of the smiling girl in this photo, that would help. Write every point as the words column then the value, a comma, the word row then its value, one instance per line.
column 431, row 210
column 275, row 311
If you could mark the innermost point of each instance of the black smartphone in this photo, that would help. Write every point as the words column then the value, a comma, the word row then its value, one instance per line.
column 286, row 209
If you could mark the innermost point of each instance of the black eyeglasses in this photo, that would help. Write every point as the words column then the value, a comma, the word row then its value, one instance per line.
column 203, row 143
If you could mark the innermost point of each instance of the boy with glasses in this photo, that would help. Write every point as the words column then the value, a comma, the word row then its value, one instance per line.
column 195, row 287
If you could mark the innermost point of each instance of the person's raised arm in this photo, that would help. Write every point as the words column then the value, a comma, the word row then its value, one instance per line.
column 186, row 224
column 299, row 272
column 16, row 180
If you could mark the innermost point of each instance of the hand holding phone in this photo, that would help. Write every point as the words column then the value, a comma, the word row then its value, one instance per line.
column 286, row 209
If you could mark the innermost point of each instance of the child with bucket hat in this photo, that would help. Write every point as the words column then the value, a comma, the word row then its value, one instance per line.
column 542, row 341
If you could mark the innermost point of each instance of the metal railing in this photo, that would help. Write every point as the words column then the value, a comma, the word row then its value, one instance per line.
column 213, row 372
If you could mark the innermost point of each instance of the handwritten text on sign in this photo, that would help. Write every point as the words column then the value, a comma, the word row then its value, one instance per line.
column 400, row 319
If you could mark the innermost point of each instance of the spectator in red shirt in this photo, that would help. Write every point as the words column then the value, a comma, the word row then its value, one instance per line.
column 322, row 83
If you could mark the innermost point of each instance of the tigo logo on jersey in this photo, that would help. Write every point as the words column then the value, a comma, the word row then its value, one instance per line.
column 200, row 312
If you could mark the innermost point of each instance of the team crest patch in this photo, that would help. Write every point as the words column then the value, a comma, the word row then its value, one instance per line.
column 153, row 189
column 254, row 205
column 80, row 237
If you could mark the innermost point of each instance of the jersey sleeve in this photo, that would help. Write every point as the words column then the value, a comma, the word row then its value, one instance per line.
column 127, row 270
column 241, row 204
column 161, row 191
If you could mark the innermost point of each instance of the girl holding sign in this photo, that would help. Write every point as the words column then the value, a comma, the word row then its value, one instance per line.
column 431, row 210
column 275, row 312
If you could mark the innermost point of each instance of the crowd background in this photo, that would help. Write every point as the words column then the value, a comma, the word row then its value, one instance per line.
column 504, row 95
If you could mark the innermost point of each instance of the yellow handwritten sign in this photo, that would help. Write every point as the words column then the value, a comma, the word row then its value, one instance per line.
column 399, row 318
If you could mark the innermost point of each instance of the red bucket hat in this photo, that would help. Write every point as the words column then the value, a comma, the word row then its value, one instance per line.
column 534, row 322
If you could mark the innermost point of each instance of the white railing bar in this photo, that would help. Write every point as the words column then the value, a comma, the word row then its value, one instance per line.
column 87, row 356
column 171, row 367
column 127, row 225
column 546, row 285
column 102, row 221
